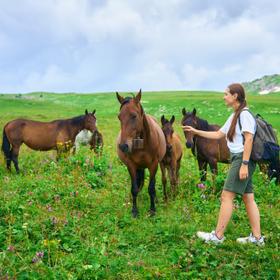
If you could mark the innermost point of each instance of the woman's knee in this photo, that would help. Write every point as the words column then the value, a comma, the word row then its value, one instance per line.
column 227, row 196
column 248, row 198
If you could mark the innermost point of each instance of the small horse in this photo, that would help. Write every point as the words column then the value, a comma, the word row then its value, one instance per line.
column 172, row 158
column 207, row 151
column 43, row 136
column 86, row 137
column 140, row 144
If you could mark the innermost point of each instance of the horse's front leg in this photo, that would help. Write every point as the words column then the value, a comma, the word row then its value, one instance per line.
column 173, row 180
column 163, row 180
column 214, row 169
column 134, row 189
column 152, row 191
column 202, row 165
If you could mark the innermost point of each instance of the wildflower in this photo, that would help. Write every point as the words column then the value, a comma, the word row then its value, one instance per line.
column 24, row 226
column 54, row 220
column 11, row 248
column 201, row 186
column 56, row 197
column 49, row 208
column 38, row 257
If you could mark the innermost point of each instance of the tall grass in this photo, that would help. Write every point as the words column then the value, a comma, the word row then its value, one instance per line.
column 71, row 219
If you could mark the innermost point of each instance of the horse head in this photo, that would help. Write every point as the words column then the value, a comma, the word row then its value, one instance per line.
column 90, row 121
column 131, row 117
column 168, row 132
column 190, row 119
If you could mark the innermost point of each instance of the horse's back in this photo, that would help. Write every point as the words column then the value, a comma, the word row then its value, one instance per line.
column 36, row 135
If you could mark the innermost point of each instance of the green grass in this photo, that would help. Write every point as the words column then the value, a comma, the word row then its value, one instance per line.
column 77, row 211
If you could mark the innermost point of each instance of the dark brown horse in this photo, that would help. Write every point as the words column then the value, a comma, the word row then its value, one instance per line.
column 207, row 151
column 43, row 136
column 173, row 155
column 140, row 145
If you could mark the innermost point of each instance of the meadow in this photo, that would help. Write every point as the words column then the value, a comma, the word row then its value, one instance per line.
column 72, row 219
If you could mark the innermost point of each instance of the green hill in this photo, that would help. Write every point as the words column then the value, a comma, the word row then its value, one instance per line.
column 264, row 85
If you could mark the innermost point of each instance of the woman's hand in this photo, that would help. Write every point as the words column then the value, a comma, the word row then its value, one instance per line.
column 243, row 172
column 189, row 129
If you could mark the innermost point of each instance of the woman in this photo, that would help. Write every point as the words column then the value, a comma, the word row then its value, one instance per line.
column 239, row 179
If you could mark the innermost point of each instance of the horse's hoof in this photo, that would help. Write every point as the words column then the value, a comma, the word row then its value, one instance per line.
column 152, row 212
column 134, row 213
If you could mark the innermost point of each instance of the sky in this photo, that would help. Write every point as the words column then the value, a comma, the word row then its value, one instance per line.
column 124, row 45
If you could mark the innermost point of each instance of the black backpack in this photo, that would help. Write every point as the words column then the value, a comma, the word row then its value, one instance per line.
column 265, row 144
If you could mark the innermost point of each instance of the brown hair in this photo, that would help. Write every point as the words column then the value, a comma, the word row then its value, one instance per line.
column 239, row 90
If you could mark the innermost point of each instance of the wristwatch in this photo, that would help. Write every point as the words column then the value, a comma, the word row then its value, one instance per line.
column 245, row 162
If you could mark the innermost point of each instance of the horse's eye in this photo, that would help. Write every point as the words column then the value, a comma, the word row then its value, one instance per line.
column 133, row 116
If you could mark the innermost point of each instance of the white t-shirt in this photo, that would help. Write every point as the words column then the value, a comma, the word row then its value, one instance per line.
column 248, row 124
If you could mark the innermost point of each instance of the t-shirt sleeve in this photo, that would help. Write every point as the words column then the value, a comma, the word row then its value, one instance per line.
column 248, row 122
column 225, row 128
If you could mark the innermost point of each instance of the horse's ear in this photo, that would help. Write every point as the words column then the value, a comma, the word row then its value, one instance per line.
column 86, row 111
column 162, row 120
column 172, row 119
column 138, row 96
column 120, row 98
column 184, row 111
column 93, row 112
column 194, row 111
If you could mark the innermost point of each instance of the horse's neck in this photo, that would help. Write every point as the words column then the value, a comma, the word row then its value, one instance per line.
column 146, row 129
column 203, row 125
column 76, row 128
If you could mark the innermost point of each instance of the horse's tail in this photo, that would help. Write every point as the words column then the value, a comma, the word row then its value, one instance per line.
column 6, row 146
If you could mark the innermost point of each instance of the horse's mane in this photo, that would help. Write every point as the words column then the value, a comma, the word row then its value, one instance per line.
column 202, row 124
column 77, row 120
column 126, row 100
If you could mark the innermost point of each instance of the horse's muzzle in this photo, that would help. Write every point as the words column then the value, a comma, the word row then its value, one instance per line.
column 189, row 145
column 124, row 148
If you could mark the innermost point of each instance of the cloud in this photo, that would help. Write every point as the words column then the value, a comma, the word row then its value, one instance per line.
column 88, row 46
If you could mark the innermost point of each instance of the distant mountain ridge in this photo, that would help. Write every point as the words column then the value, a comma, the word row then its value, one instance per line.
column 266, row 84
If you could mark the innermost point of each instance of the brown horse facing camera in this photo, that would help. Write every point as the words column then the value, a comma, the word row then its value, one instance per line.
column 140, row 144
column 43, row 136
column 207, row 151
column 172, row 158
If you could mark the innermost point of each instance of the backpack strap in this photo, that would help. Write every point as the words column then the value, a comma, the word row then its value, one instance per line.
column 240, row 126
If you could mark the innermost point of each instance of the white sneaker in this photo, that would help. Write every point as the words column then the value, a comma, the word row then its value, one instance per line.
column 251, row 239
column 210, row 237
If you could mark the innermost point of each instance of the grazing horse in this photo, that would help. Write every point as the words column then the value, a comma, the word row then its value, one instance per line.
column 173, row 155
column 140, row 144
column 86, row 137
column 207, row 151
column 43, row 136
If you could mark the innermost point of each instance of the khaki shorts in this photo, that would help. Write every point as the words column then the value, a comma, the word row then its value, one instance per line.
column 233, row 183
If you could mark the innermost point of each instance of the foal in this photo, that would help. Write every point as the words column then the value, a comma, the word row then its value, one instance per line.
column 86, row 137
column 172, row 158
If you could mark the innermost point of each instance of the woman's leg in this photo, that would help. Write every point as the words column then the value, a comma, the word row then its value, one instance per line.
column 253, row 214
column 225, row 212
